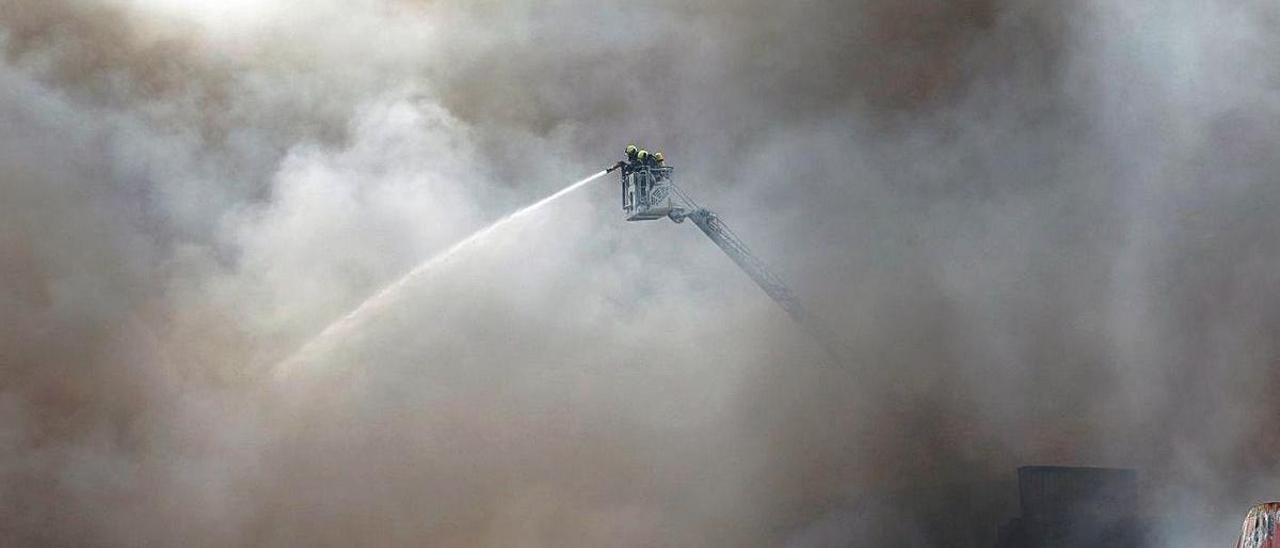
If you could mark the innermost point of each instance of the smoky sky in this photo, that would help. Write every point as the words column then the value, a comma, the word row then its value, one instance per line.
column 1045, row 231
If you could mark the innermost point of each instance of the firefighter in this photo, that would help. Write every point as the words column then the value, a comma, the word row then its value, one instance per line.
column 658, row 162
column 633, row 164
column 642, row 165
column 628, row 165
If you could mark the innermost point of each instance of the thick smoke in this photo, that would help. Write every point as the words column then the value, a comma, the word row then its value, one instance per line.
column 1045, row 230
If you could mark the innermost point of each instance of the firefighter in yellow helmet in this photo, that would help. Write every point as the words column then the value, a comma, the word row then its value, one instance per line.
column 642, row 165
column 657, row 160
column 630, row 164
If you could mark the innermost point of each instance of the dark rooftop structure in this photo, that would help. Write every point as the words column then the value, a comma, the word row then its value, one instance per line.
column 1069, row 507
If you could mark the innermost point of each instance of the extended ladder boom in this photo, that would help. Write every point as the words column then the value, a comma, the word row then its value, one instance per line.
column 648, row 193
column 714, row 228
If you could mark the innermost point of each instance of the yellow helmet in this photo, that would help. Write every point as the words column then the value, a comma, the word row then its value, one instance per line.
column 632, row 150
column 657, row 157
column 642, row 155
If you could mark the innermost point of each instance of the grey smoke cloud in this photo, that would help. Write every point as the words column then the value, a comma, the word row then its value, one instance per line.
column 1044, row 229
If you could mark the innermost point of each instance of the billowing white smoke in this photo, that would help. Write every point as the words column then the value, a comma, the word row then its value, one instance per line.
column 1045, row 229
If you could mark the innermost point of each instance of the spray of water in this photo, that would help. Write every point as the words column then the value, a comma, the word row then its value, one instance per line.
column 388, row 293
